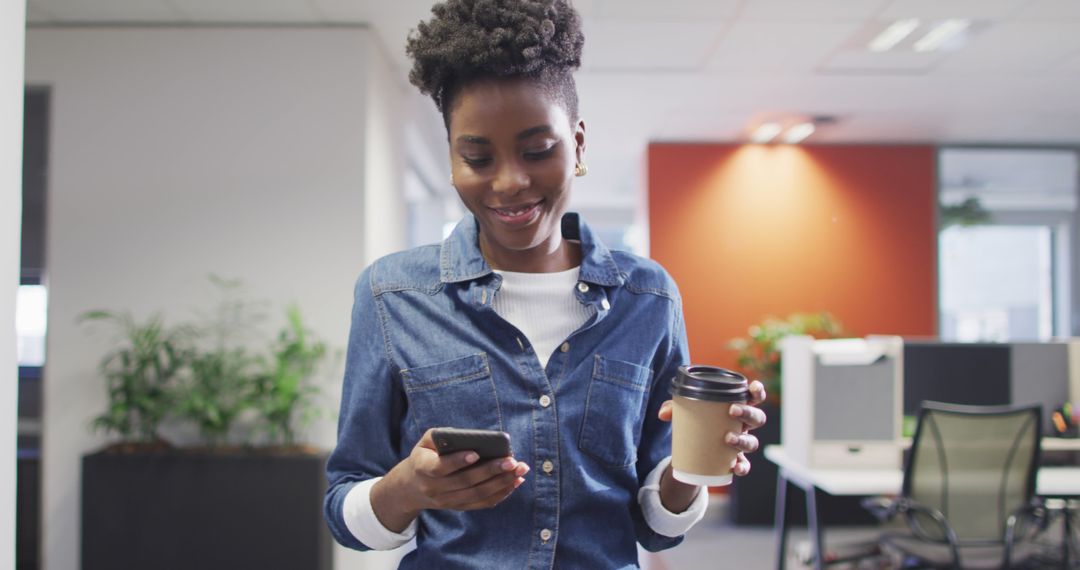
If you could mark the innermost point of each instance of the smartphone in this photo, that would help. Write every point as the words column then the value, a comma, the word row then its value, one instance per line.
column 487, row 443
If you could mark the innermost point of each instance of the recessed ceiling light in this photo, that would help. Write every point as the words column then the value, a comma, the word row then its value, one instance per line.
column 765, row 133
column 942, row 34
column 798, row 133
column 892, row 35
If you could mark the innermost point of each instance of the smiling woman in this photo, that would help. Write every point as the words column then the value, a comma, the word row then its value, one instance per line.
column 521, row 322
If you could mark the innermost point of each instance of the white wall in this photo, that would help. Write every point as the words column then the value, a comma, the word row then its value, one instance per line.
column 179, row 152
column 12, row 22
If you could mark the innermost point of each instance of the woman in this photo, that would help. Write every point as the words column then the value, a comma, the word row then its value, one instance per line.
column 520, row 321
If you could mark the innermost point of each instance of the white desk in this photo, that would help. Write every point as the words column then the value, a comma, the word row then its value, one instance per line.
column 1051, row 482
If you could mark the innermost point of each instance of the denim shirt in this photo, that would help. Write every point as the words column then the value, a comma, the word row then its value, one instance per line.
column 426, row 349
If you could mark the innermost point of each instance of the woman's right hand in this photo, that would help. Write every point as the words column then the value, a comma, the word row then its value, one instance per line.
column 457, row 481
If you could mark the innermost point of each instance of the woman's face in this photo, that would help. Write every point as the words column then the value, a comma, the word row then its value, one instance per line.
column 512, row 155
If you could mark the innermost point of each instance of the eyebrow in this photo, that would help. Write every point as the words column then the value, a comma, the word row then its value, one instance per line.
column 473, row 139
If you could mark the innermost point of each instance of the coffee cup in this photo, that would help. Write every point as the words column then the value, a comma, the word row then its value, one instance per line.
column 702, row 397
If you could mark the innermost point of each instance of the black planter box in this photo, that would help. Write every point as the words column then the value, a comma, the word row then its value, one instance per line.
column 183, row 511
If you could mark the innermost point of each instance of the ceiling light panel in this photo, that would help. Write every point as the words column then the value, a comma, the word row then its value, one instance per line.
column 765, row 133
column 798, row 133
column 946, row 35
column 893, row 34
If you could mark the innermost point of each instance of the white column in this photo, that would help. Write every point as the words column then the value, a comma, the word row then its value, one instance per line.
column 12, row 34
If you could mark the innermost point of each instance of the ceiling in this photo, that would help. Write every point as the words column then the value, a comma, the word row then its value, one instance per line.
column 710, row 70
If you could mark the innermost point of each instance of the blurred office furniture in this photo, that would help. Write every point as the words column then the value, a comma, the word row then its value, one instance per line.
column 968, row 495
column 181, row 510
column 842, row 401
column 985, row 374
column 819, row 482
column 28, row 471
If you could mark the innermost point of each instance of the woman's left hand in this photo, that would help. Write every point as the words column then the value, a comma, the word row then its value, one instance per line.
column 752, row 418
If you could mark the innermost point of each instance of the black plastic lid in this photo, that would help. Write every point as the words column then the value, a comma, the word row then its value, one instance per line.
column 710, row 383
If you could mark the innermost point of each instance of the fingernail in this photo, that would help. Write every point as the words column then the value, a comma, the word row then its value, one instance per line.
column 524, row 469
column 518, row 482
column 736, row 411
column 507, row 464
column 471, row 458
column 731, row 439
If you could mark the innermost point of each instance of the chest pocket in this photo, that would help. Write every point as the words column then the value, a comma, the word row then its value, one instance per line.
column 611, row 425
column 455, row 393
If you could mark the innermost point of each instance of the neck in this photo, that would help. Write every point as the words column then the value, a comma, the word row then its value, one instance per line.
column 555, row 254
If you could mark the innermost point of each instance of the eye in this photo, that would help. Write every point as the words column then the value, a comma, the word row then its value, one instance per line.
column 540, row 154
column 476, row 162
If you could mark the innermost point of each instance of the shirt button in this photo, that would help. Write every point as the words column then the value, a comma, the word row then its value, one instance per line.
column 605, row 304
column 565, row 347
column 545, row 401
column 547, row 466
column 545, row 535
column 583, row 287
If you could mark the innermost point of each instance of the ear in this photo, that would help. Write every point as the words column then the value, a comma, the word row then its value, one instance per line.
column 579, row 140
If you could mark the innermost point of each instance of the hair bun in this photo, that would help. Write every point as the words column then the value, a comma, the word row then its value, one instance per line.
column 493, row 38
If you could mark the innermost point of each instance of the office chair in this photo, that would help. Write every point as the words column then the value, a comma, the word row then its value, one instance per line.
column 969, row 489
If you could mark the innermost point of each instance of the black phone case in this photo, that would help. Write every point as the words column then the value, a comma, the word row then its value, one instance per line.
column 488, row 444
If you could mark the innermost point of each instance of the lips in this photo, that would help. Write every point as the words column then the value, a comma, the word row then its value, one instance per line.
column 518, row 213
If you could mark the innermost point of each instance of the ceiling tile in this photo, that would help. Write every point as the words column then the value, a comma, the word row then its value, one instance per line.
column 652, row 46
column 107, row 10
column 812, row 9
column 1071, row 63
column 668, row 10
column 865, row 62
column 250, row 11
column 942, row 9
column 38, row 15
column 763, row 46
column 1029, row 46
column 1050, row 10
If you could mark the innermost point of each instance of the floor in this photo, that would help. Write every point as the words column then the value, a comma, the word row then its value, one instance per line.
column 716, row 544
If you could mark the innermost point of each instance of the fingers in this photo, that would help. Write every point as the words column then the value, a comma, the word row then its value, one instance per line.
column 742, row 465
column 665, row 411
column 757, row 393
column 485, row 494
column 744, row 442
column 751, row 416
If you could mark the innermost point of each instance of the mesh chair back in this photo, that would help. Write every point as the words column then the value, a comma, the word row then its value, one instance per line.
column 974, row 464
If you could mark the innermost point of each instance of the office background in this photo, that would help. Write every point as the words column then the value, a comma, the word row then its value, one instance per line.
column 280, row 143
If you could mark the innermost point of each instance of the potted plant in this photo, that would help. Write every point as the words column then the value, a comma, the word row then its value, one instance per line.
column 243, row 493
column 758, row 355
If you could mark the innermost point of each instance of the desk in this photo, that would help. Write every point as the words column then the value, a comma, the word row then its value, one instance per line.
column 1050, row 482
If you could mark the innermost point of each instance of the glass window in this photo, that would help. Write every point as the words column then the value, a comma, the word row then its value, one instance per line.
column 1007, row 230
column 30, row 309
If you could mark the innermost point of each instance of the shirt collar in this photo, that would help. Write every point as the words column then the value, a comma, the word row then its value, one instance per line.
column 460, row 258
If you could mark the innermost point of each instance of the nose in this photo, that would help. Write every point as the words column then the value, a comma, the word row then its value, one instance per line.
column 510, row 178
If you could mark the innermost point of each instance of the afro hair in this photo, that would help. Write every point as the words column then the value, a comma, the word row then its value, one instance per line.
column 468, row 40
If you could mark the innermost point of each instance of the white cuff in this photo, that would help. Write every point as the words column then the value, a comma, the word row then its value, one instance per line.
column 361, row 521
column 661, row 520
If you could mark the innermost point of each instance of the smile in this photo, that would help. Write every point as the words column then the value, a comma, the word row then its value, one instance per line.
column 517, row 214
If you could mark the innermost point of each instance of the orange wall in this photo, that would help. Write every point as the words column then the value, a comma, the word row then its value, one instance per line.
column 750, row 231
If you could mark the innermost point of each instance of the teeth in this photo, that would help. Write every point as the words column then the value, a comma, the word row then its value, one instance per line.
column 515, row 212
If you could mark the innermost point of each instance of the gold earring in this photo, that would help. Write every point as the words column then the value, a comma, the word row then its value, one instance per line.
column 580, row 169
